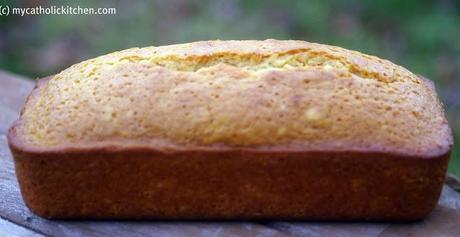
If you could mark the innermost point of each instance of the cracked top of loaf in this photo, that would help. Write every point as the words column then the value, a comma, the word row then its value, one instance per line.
column 266, row 95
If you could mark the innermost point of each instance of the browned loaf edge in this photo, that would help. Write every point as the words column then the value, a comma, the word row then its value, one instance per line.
column 236, row 183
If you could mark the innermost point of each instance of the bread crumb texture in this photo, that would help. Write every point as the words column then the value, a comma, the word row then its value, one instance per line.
column 252, row 94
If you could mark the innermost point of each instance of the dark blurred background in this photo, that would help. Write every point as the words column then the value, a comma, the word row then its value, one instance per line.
column 423, row 36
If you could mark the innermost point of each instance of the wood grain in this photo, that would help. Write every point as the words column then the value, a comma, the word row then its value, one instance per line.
column 443, row 221
column 8, row 229
column 13, row 93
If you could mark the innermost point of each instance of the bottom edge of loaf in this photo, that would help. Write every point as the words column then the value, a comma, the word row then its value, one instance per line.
column 230, row 185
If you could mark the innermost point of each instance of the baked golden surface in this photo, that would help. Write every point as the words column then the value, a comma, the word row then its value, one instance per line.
column 232, row 130
column 288, row 95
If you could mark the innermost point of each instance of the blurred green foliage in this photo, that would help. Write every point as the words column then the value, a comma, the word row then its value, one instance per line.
column 423, row 36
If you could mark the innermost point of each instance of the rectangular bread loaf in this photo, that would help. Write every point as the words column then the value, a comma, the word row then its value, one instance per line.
column 232, row 130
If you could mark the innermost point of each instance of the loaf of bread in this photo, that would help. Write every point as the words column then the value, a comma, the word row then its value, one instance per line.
column 232, row 130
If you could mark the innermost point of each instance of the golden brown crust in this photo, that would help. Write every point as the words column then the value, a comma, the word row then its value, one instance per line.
column 229, row 185
column 298, row 131
column 286, row 95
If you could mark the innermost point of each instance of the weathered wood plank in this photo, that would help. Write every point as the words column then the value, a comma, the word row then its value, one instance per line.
column 453, row 182
column 13, row 92
column 444, row 221
column 450, row 198
column 7, row 117
column 8, row 229
column 12, row 208
column 14, row 89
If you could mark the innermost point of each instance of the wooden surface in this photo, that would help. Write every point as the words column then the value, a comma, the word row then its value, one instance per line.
column 17, row 220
